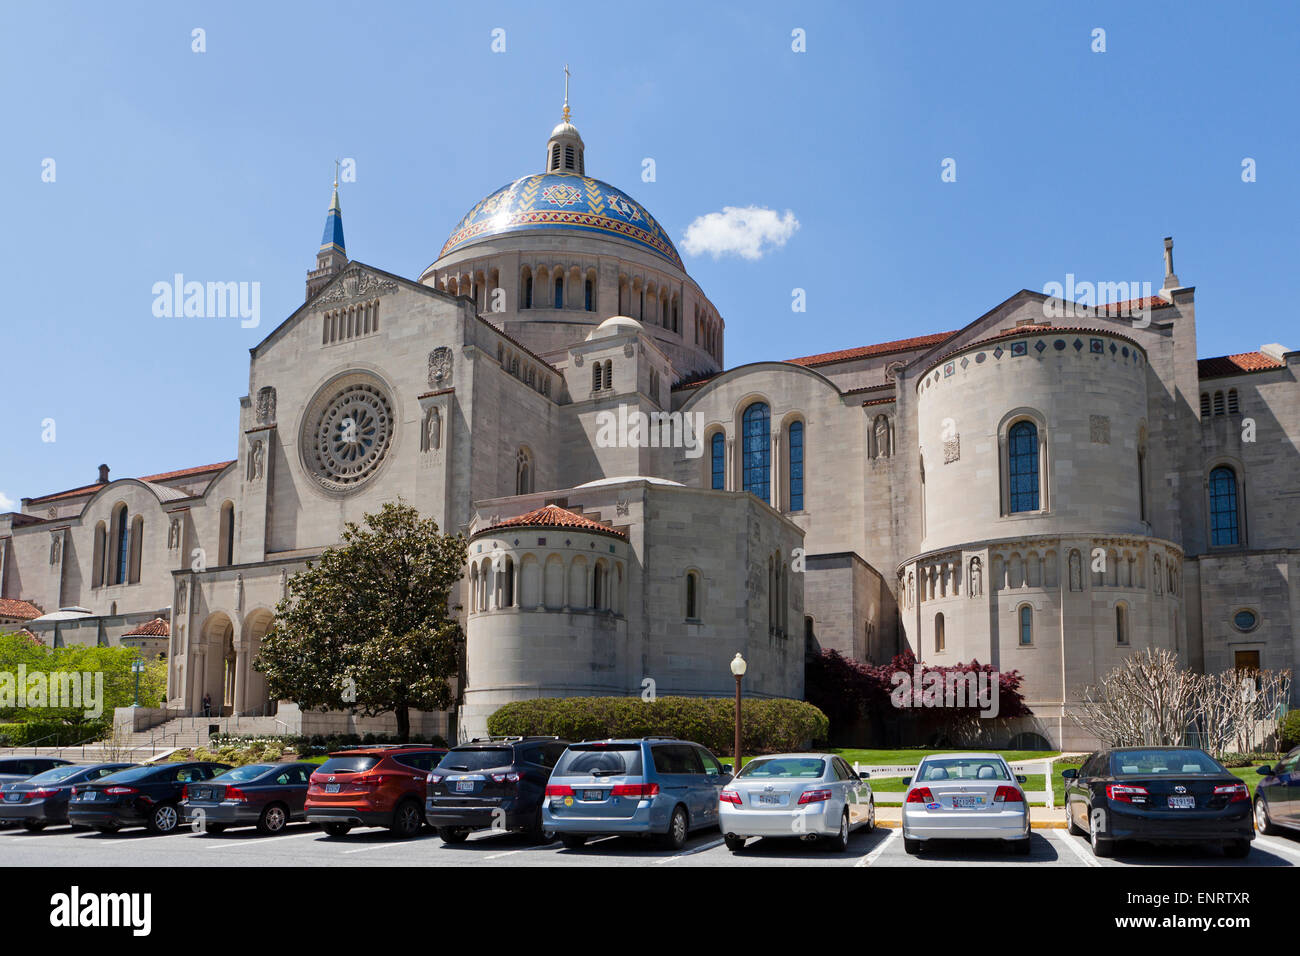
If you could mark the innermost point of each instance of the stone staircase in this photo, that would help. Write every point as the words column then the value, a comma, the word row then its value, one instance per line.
column 182, row 732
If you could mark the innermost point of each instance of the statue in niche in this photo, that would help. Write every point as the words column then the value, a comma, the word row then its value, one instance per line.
column 976, row 577
column 56, row 547
column 882, row 437
column 433, row 430
column 255, row 461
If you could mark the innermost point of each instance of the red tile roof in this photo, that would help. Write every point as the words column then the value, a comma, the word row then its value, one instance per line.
column 155, row 628
column 552, row 516
column 1235, row 364
column 166, row 475
column 866, row 351
column 23, row 610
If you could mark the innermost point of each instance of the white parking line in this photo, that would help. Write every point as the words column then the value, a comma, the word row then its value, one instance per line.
column 226, row 844
column 380, row 846
column 1277, row 846
column 698, row 849
column 497, row 856
column 1060, row 837
column 874, row 855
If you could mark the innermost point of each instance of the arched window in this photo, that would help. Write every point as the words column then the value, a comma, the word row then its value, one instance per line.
column 226, row 535
column 1121, row 623
column 692, row 596
column 1233, row 406
column 609, row 374
column 1022, row 466
column 794, row 447
column 1205, row 404
column 1218, row 403
column 595, row 377
column 559, row 292
column 122, row 539
column 940, row 638
column 1225, row 527
column 718, row 461
column 524, row 472
column 99, row 568
column 508, row 583
column 528, row 290
column 589, row 296
column 756, row 450
column 137, row 543
column 598, row 586
column 1026, row 625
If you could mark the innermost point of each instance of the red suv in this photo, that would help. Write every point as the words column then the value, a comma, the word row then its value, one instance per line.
column 372, row 787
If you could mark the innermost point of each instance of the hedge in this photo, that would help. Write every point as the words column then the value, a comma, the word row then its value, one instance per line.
column 1289, row 731
column 52, row 733
column 767, row 726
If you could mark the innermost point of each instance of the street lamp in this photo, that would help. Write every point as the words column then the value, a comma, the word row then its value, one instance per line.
column 137, row 666
column 738, row 666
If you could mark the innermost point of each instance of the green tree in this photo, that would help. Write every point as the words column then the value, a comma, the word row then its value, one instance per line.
column 114, row 663
column 370, row 624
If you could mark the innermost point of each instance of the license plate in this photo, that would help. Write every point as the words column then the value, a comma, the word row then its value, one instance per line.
column 331, row 788
column 769, row 799
column 593, row 794
column 13, row 797
column 963, row 803
column 465, row 785
column 93, row 795
column 202, row 793
column 1182, row 803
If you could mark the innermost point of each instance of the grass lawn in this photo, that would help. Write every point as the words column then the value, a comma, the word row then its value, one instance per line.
column 912, row 756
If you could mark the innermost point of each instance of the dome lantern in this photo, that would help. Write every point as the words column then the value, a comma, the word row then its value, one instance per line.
column 564, row 149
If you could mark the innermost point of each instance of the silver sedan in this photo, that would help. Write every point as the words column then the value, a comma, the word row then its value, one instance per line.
column 965, row 796
column 795, row 795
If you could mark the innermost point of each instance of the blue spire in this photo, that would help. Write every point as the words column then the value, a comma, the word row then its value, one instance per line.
column 333, row 237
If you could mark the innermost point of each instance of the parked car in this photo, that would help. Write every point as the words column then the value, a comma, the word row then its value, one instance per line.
column 652, row 786
column 1158, row 795
column 42, row 800
column 147, row 796
column 496, row 782
column 14, row 769
column 266, row 795
column 965, row 796
column 810, row 796
column 381, row 786
column 1277, row 796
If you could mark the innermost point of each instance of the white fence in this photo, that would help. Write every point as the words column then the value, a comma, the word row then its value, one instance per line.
column 886, row 799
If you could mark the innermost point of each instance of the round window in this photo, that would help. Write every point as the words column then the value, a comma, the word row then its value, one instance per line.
column 1245, row 620
column 346, row 436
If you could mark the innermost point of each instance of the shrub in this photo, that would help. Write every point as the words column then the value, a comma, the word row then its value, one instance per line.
column 54, row 733
column 1234, row 760
column 768, row 726
column 1288, row 732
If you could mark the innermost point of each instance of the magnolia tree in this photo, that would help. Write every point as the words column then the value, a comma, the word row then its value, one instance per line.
column 370, row 624
column 1152, row 700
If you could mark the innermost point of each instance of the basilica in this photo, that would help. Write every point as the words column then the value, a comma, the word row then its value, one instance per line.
column 1041, row 493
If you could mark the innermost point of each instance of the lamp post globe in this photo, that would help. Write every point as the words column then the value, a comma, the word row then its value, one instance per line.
column 738, row 667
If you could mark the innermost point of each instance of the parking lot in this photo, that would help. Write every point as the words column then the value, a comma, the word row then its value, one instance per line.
column 302, row 845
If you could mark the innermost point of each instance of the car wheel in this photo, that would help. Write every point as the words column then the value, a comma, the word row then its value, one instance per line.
column 1101, row 846
column 453, row 834
column 1263, row 822
column 734, row 843
column 573, row 841
column 337, row 829
column 35, row 826
column 1236, row 849
column 911, row 847
column 538, row 834
column 840, row 842
column 1074, row 828
column 406, row 820
column 274, row 819
column 164, row 819
column 871, row 816
column 678, row 829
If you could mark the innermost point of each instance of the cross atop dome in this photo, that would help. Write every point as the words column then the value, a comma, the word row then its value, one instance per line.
column 565, row 149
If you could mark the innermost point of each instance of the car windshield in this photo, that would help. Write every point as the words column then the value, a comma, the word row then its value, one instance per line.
column 600, row 760
column 348, row 764
column 1163, row 761
column 242, row 774
column 962, row 768
column 56, row 775
column 477, row 758
column 806, row 767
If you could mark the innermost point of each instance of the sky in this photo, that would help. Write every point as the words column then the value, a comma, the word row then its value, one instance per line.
column 795, row 146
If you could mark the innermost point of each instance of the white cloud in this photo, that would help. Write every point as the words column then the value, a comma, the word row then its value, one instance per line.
column 748, row 232
column 6, row 503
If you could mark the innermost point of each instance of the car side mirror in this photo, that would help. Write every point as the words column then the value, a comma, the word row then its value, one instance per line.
column 907, row 781
column 1021, row 778
column 1265, row 771
column 726, row 768
column 1069, row 773
column 864, row 775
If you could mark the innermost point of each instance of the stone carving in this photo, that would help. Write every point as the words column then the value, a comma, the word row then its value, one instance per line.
column 174, row 534
column 976, row 580
column 1159, row 584
column 440, row 367
column 1100, row 425
column 56, row 546
column 622, row 507
column 180, row 596
column 952, row 449
column 356, row 283
column 432, row 437
column 256, row 463
column 266, row 405
column 577, row 361
column 628, row 351
column 911, row 589
column 239, row 592
column 284, row 584
column 882, row 437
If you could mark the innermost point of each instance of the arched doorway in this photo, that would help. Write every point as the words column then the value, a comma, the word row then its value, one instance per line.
column 214, row 670
column 254, row 699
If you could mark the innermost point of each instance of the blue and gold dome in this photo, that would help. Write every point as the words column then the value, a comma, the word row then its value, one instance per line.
column 562, row 200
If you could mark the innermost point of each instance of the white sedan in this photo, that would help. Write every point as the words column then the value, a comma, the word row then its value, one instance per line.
column 965, row 796
column 809, row 796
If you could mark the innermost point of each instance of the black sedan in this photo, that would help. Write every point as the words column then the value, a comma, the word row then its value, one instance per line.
column 146, row 796
column 265, row 795
column 42, row 800
column 1277, row 795
column 1158, row 795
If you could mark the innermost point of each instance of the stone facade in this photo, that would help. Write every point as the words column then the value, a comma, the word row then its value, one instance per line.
column 1040, row 493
